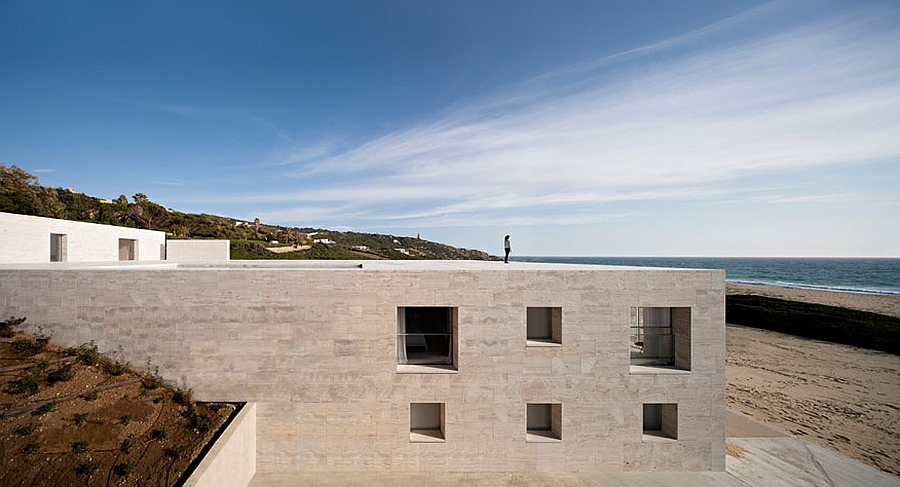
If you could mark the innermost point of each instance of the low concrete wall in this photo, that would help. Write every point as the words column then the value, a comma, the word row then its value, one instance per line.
column 198, row 250
column 232, row 460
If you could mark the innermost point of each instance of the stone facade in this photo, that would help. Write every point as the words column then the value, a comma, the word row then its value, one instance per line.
column 315, row 346
column 198, row 250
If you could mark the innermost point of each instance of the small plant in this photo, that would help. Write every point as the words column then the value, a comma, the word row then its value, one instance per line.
column 125, row 420
column 116, row 368
column 31, row 448
column 159, row 434
column 89, row 396
column 183, row 396
column 6, row 327
column 62, row 373
column 198, row 422
column 26, row 429
column 177, row 451
column 152, row 379
column 44, row 409
column 79, row 447
column 86, row 468
column 127, row 444
column 78, row 419
column 87, row 353
column 27, row 346
column 123, row 469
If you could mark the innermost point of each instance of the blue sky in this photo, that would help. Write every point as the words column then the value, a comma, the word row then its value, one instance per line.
column 697, row 128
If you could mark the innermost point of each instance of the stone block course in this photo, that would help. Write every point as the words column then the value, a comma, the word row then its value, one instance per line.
column 316, row 349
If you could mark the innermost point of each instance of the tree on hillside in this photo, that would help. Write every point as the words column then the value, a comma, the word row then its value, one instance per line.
column 21, row 193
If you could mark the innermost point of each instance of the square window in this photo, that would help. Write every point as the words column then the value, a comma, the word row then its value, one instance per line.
column 543, row 326
column 661, row 337
column 426, row 422
column 660, row 421
column 426, row 336
column 543, row 423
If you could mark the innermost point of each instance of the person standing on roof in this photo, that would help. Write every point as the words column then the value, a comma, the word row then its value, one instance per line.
column 506, row 248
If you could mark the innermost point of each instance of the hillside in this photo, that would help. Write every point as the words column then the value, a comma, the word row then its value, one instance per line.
column 21, row 193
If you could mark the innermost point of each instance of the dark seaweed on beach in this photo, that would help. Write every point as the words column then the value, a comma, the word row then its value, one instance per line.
column 834, row 324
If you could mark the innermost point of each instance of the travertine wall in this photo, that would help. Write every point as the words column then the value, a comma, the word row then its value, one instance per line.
column 198, row 250
column 315, row 348
column 26, row 239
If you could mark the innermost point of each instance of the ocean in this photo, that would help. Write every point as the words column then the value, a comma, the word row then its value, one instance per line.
column 872, row 276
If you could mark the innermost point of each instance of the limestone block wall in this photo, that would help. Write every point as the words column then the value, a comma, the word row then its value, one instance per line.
column 198, row 250
column 316, row 349
column 26, row 239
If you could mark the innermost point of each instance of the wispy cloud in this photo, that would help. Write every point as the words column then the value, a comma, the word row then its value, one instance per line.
column 43, row 171
column 822, row 93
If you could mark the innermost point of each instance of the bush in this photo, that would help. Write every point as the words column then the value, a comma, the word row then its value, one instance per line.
column 829, row 323
column 78, row 419
column 6, row 327
column 62, row 373
column 86, row 468
column 28, row 347
column 44, row 409
column 79, row 447
column 26, row 429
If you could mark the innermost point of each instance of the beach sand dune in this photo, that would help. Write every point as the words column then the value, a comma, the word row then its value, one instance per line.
column 875, row 303
column 840, row 397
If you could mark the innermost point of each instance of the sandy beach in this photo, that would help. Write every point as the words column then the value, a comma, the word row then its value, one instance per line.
column 840, row 397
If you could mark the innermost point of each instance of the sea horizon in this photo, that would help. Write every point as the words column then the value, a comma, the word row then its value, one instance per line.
column 864, row 275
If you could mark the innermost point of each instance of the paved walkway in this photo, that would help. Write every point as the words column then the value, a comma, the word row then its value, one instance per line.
column 757, row 456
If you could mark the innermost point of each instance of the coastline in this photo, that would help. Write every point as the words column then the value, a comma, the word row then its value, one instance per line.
column 840, row 397
column 875, row 303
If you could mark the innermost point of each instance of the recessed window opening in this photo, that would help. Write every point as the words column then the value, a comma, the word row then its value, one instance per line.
column 543, row 422
column 660, row 421
column 127, row 249
column 652, row 337
column 661, row 337
column 425, row 335
column 426, row 422
column 58, row 249
column 544, row 325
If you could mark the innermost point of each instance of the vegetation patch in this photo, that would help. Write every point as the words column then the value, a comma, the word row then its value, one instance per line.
column 117, row 435
column 829, row 323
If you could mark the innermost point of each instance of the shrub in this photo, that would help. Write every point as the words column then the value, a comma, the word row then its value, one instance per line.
column 86, row 468
column 6, row 327
column 78, row 419
column 90, row 396
column 159, row 434
column 127, row 444
column 125, row 419
column 26, row 429
column 62, row 373
column 31, row 448
column 87, row 353
column 44, row 409
column 28, row 347
column 79, row 447
column 123, row 469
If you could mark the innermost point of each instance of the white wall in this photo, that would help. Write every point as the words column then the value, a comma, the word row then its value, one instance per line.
column 25, row 239
column 198, row 250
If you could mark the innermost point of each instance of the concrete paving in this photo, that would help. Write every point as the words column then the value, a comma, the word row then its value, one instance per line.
column 758, row 456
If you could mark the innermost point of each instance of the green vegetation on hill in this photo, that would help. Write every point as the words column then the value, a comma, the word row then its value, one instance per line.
column 829, row 323
column 21, row 193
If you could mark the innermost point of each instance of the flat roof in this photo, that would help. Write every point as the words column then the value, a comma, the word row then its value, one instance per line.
column 380, row 265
